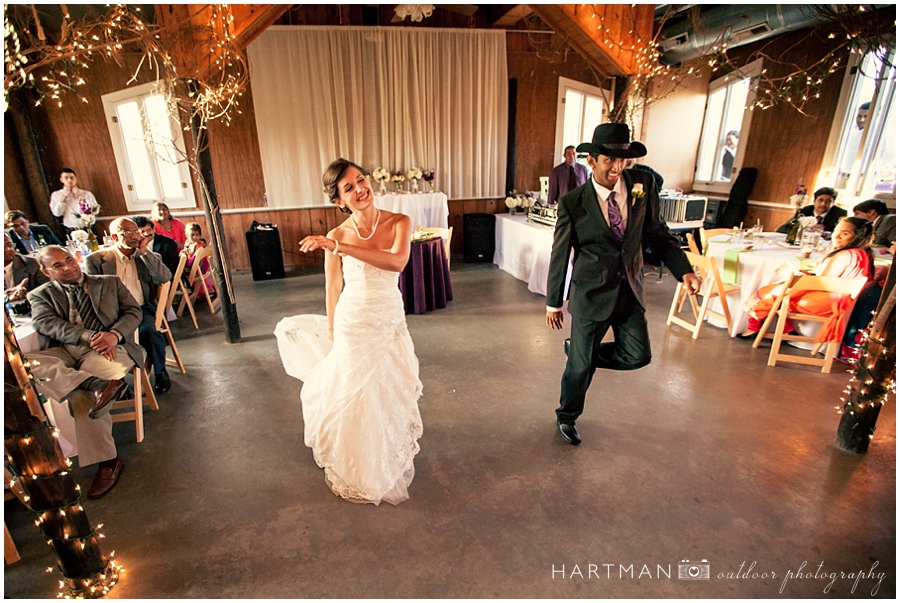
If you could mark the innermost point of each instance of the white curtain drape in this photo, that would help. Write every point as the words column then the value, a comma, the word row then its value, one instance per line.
column 380, row 97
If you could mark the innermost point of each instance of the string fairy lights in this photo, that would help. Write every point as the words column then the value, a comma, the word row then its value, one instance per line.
column 40, row 475
column 849, row 28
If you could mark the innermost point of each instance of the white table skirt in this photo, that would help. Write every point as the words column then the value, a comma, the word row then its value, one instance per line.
column 424, row 209
column 523, row 250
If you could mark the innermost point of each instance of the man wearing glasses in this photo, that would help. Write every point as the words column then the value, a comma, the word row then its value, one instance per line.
column 140, row 270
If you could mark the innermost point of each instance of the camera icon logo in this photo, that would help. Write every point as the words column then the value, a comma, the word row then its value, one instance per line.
column 689, row 570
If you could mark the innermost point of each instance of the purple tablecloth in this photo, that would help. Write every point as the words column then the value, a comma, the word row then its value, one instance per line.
column 425, row 282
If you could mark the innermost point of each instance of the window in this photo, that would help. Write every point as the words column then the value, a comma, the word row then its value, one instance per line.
column 149, row 149
column 862, row 156
column 727, row 118
column 582, row 108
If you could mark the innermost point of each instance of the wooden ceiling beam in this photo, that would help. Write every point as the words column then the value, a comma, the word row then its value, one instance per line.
column 602, row 33
column 515, row 14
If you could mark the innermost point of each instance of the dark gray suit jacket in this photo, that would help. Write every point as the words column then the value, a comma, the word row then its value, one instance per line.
column 581, row 227
column 36, row 229
column 24, row 266
column 886, row 230
column 113, row 304
column 151, row 271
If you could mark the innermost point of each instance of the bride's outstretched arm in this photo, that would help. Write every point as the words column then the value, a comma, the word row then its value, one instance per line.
column 394, row 260
column 334, row 284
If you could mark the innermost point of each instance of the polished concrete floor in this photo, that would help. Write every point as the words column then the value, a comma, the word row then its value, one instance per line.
column 706, row 455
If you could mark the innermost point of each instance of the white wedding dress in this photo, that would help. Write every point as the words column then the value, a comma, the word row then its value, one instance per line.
column 360, row 395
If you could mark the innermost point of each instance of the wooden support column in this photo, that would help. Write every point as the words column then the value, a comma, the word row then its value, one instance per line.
column 35, row 177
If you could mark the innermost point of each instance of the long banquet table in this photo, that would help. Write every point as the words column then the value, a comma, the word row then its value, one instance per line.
column 424, row 209
column 523, row 250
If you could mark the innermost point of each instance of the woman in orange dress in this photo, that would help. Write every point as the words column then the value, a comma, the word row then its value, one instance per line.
column 849, row 256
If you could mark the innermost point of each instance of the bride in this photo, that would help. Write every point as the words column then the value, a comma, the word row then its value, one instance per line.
column 359, row 397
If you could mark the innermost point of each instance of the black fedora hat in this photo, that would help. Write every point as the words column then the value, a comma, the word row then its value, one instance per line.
column 613, row 140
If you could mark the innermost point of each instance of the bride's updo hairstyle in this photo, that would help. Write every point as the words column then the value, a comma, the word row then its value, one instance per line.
column 333, row 175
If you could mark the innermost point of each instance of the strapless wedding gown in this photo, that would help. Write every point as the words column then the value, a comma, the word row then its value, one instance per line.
column 360, row 395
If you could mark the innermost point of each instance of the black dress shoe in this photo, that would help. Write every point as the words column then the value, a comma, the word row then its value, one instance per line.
column 748, row 335
column 163, row 383
column 569, row 433
column 566, row 346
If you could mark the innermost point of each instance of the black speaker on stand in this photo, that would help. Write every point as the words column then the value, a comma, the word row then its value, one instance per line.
column 478, row 237
column 264, row 247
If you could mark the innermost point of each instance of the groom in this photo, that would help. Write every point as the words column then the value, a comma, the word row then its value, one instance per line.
column 603, row 222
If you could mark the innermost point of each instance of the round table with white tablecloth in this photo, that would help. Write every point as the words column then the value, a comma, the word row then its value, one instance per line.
column 750, row 269
column 424, row 209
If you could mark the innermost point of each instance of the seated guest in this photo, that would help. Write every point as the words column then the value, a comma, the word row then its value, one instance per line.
column 166, row 225
column 27, row 238
column 823, row 208
column 164, row 246
column 849, row 256
column 141, row 271
column 89, row 321
column 885, row 223
column 196, row 242
column 22, row 274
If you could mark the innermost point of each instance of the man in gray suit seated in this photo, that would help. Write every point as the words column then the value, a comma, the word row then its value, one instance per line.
column 90, row 322
column 141, row 270
column 21, row 275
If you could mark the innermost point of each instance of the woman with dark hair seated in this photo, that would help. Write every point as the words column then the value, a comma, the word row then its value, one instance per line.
column 850, row 256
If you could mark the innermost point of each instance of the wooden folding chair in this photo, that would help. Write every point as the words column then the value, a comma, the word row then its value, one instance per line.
column 706, row 235
column 712, row 287
column 134, row 407
column 198, row 279
column 829, row 284
column 692, row 244
column 162, row 325
column 178, row 288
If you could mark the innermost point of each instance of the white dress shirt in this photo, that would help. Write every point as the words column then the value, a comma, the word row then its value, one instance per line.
column 126, row 270
column 64, row 203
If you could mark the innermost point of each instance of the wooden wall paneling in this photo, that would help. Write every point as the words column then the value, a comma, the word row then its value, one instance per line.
column 290, row 228
column 455, row 219
column 15, row 187
column 783, row 144
column 318, row 225
column 538, row 82
column 235, row 227
column 236, row 158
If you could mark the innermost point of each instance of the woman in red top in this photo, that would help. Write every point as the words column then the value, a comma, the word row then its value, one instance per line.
column 166, row 225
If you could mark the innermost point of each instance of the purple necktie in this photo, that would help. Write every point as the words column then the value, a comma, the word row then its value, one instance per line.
column 615, row 218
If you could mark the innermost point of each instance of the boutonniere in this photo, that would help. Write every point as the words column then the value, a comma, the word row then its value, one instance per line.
column 637, row 191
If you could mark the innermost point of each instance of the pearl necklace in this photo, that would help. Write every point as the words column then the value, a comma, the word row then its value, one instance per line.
column 374, row 228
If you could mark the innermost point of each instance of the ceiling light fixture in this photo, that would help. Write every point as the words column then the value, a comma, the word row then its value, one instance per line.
column 415, row 12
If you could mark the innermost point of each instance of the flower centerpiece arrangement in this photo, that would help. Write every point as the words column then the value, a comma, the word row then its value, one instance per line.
column 512, row 203
column 381, row 176
column 798, row 200
column 88, row 216
column 414, row 174
column 397, row 178
column 428, row 176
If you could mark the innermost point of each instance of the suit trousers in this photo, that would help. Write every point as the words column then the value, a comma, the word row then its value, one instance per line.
column 629, row 351
column 152, row 340
column 66, row 367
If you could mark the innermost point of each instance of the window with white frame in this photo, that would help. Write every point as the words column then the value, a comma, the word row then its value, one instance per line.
column 861, row 161
column 582, row 108
column 149, row 148
column 725, row 123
